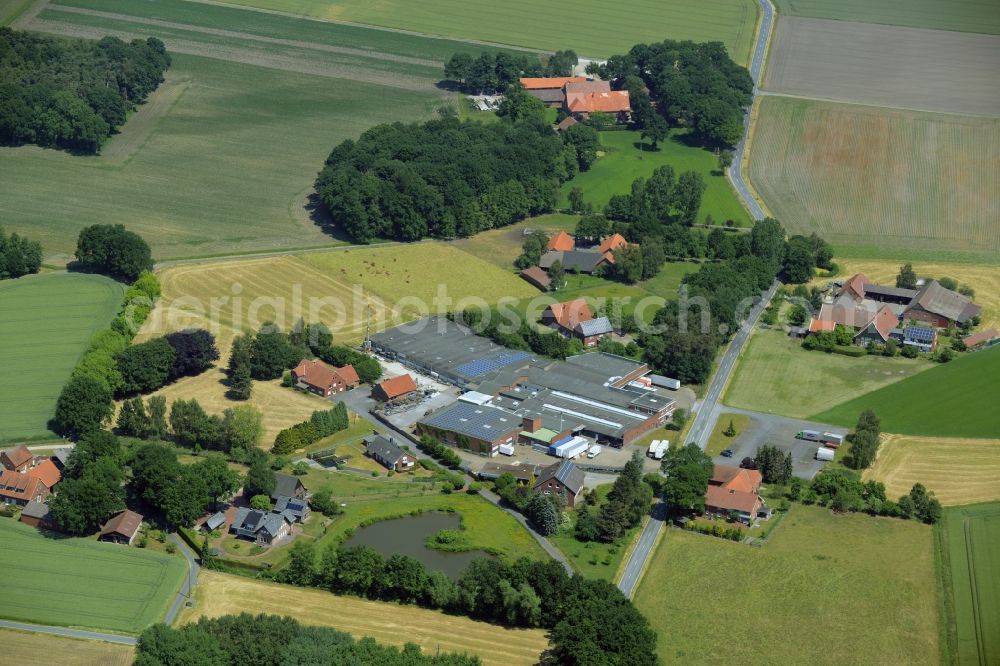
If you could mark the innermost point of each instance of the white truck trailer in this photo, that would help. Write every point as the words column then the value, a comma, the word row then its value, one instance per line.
column 507, row 449
column 832, row 440
column 823, row 453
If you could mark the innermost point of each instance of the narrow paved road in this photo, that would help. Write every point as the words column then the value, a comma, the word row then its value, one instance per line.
column 756, row 68
column 69, row 633
column 187, row 589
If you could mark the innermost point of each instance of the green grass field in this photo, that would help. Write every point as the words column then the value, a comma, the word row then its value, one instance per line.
column 84, row 583
column 623, row 162
column 971, row 570
column 47, row 323
column 825, row 589
column 880, row 182
column 957, row 399
column 593, row 559
column 11, row 9
column 591, row 28
column 776, row 376
column 964, row 16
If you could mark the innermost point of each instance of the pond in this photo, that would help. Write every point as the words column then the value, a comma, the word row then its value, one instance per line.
column 406, row 536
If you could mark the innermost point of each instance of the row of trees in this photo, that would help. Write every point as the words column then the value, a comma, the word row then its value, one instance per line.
column 664, row 199
column 843, row 491
column 18, row 255
column 865, row 440
column 113, row 250
column 271, row 640
column 444, row 177
column 150, row 365
column 321, row 424
column 235, row 432
column 72, row 93
column 692, row 85
column 579, row 612
column 494, row 71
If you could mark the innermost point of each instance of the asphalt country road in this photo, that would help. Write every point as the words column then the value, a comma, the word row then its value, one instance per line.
column 183, row 594
column 69, row 633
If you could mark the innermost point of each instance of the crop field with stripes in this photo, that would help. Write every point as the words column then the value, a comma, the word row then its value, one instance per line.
column 964, row 16
column 31, row 649
column 591, row 27
column 84, row 583
column 46, row 324
column 880, row 181
column 971, row 554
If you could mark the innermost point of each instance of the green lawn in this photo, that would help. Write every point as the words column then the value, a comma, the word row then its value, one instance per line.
column 591, row 28
column 958, row 399
column 668, row 281
column 623, row 162
column 776, row 376
column 971, row 570
column 964, row 16
column 718, row 441
column 84, row 583
column 47, row 323
column 593, row 559
column 825, row 589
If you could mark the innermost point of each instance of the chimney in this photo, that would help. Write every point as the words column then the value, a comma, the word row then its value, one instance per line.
column 531, row 423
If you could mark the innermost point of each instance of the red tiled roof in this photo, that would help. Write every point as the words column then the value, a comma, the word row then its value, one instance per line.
column 319, row 374
column 561, row 242
column 550, row 82
column 536, row 276
column 737, row 478
column 612, row 243
column 47, row 473
column 884, row 320
column 397, row 386
column 594, row 102
column 15, row 485
column 730, row 500
column 125, row 523
column 980, row 337
column 733, row 488
column 588, row 87
column 855, row 285
column 349, row 375
column 19, row 455
column 571, row 313
column 566, row 123
column 821, row 325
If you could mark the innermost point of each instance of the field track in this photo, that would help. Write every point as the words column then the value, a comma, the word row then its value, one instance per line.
column 221, row 594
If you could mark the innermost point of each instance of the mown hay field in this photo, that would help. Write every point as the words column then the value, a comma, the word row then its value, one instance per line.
column 880, row 182
column 789, row 602
column 47, row 323
column 221, row 594
column 959, row 471
column 971, row 558
column 31, row 649
column 957, row 399
column 965, row 16
column 864, row 63
column 85, row 583
column 592, row 28
column 776, row 376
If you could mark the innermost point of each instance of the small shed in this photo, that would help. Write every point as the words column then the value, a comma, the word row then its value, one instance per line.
column 215, row 521
column 121, row 528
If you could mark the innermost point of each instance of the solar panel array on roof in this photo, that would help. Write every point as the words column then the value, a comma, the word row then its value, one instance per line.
column 920, row 334
column 492, row 363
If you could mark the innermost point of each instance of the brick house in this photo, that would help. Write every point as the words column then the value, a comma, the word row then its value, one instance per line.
column 19, row 489
column 323, row 379
column 46, row 472
column 562, row 478
column 17, row 459
column 396, row 388
column 734, row 490
column 388, row 453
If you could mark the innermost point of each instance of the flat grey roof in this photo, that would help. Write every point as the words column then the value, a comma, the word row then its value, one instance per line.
column 478, row 421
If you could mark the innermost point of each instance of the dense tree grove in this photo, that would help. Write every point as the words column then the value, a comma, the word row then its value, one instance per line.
column 91, row 487
column 844, row 491
column 774, row 465
column 443, row 178
column 688, row 470
column 652, row 204
column 321, row 424
column 113, row 250
column 693, row 85
column 494, row 71
column 72, row 93
column 18, row 255
column 865, row 440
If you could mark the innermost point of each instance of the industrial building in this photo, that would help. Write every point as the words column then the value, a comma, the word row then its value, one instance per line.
column 516, row 397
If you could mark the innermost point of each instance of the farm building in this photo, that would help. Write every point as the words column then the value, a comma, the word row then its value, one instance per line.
column 586, row 97
column 939, row 307
column 561, row 242
column 879, row 330
column 523, row 474
column 19, row 489
column 46, row 472
column 121, row 528
column 389, row 454
column 612, row 243
column 60, row 458
column 38, row 515
column 580, row 261
column 574, row 319
column 537, row 277
column 549, row 90
column 923, row 338
column 566, row 123
column 214, row 522
column 259, row 526
column 562, row 478
column 396, row 388
column 323, row 379
column 17, row 459
column 981, row 339
column 286, row 485
column 734, row 489
column 294, row 510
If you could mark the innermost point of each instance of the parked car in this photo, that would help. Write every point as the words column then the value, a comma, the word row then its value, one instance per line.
column 748, row 463
column 728, row 453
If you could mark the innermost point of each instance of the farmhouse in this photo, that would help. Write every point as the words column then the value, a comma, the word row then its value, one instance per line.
column 561, row 242
column 19, row 489
column 734, row 490
column 586, row 97
column 121, row 528
column 388, row 453
column 574, row 319
column 577, row 261
column 923, row 338
column 286, row 485
column 394, row 389
column 879, row 329
column 323, row 379
column 549, row 90
column 612, row 243
column 17, row 459
column 294, row 510
column 537, row 277
column 562, row 478
column 259, row 526
column 46, row 472
column 940, row 307
column 38, row 515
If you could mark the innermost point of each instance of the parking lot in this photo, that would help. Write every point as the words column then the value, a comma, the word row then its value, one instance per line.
column 780, row 432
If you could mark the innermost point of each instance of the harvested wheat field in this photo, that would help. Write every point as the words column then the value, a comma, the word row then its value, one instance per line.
column 30, row 649
column 221, row 594
column 958, row 471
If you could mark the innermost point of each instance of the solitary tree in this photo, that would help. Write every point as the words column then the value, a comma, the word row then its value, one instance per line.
column 725, row 159
column 656, row 129
column 907, row 278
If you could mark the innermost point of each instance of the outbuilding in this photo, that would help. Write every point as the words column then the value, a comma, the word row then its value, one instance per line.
column 121, row 528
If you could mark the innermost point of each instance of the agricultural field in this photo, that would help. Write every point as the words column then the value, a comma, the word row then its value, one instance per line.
column 957, row 399
column 249, row 110
column 880, row 182
column 776, row 376
column 10, row 10
column 221, row 594
column 502, row 246
column 594, row 31
column 965, row 16
column 624, row 160
column 47, row 323
column 778, row 601
column 959, row 471
column 85, row 583
column 971, row 569
column 865, row 63
column 31, row 649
